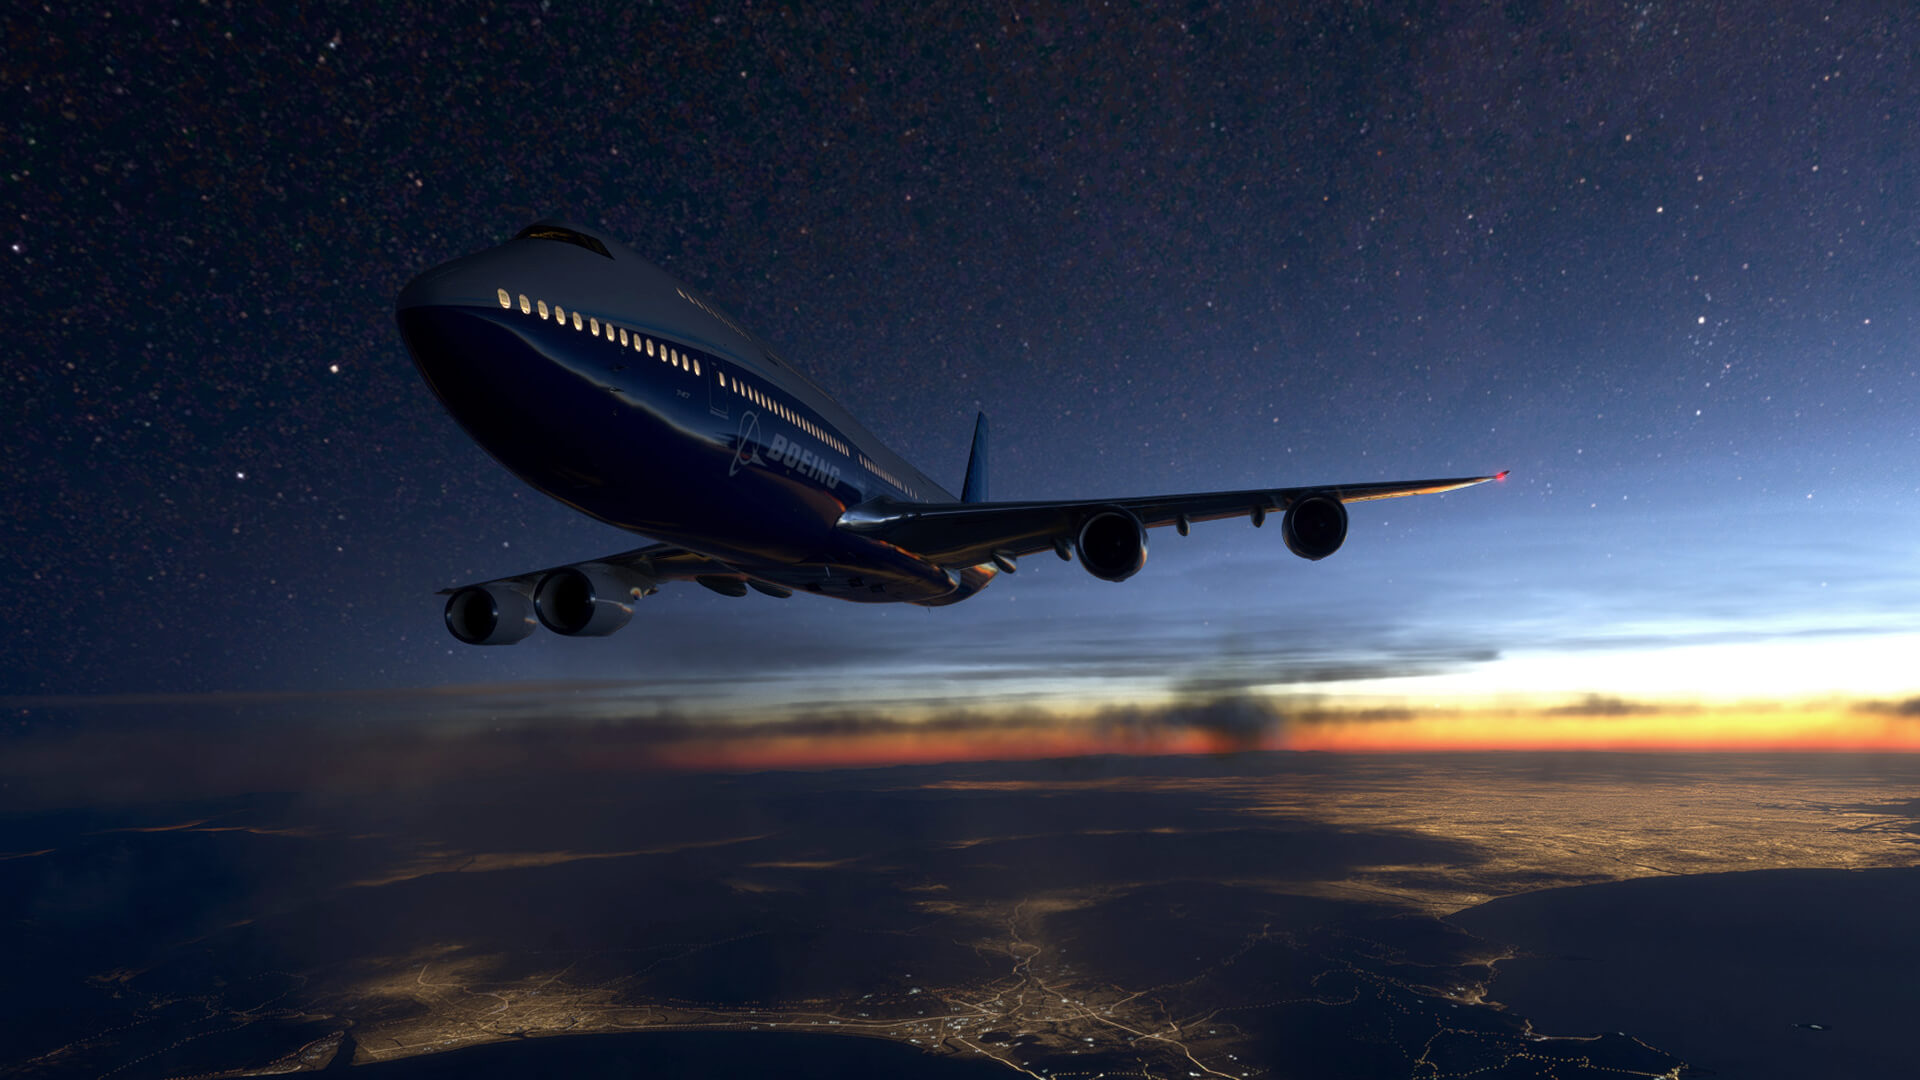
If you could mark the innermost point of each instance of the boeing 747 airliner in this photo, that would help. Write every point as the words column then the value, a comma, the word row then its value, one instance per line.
column 608, row 385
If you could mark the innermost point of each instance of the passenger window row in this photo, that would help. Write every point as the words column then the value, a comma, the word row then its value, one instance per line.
column 783, row 412
column 616, row 334
column 685, row 362
column 874, row 468
column 715, row 312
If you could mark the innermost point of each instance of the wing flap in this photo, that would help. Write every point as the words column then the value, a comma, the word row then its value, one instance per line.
column 969, row 534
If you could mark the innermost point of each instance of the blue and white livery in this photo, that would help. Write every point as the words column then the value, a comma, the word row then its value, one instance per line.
column 606, row 384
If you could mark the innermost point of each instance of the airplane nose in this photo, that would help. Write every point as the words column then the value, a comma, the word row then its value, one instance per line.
column 444, row 319
column 426, row 290
column 475, row 365
column 460, row 283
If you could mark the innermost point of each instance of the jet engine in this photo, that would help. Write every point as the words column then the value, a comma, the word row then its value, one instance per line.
column 489, row 615
column 1315, row 526
column 1112, row 545
column 589, row 600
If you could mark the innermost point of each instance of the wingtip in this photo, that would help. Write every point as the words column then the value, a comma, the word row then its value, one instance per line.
column 1502, row 474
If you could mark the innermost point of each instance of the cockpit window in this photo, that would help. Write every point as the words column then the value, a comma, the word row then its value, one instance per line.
column 565, row 236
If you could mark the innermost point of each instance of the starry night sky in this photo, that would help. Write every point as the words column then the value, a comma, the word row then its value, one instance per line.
column 1660, row 261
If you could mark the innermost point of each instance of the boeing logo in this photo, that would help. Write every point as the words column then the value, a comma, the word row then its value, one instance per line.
column 746, row 442
column 785, row 452
column 806, row 462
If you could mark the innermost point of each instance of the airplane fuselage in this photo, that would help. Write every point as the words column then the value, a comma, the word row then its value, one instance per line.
column 601, row 381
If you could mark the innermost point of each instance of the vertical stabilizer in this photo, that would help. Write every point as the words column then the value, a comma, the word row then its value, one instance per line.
column 975, row 488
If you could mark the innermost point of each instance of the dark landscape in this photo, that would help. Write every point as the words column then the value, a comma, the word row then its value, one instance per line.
column 1270, row 915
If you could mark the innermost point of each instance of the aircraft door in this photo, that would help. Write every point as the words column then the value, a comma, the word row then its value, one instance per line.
column 719, row 398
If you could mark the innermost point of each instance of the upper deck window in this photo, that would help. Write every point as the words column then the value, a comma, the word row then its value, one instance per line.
column 565, row 236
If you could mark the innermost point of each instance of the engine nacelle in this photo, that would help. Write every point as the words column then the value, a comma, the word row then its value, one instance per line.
column 490, row 615
column 1315, row 526
column 589, row 600
column 1112, row 545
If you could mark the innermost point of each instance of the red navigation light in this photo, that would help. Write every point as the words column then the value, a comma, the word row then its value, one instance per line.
column 1501, row 475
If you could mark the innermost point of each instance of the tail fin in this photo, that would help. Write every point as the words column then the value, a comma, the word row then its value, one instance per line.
column 975, row 488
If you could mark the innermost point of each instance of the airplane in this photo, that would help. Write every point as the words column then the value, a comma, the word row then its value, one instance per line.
column 603, row 382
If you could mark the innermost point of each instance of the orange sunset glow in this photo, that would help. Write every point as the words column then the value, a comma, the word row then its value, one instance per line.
column 1816, row 726
column 1599, row 725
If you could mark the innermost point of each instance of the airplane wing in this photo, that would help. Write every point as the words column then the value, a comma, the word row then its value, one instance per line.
column 969, row 534
column 652, row 564
column 589, row 599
